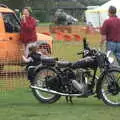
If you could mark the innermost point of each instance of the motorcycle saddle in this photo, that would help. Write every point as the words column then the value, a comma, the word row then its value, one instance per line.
column 49, row 61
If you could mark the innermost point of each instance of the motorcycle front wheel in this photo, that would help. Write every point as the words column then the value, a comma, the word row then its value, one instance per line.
column 40, row 81
column 110, row 88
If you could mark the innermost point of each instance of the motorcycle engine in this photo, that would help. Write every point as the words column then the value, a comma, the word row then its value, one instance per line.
column 53, row 83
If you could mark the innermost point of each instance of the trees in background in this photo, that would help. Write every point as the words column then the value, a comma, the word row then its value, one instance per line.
column 92, row 2
column 47, row 4
column 44, row 9
column 14, row 3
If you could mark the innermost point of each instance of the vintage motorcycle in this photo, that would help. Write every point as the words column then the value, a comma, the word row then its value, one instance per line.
column 94, row 74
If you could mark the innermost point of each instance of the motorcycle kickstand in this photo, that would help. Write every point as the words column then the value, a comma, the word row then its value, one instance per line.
column 69, row 99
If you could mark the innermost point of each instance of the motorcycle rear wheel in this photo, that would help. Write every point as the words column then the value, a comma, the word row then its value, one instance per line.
column 110, row 88
column 40, row 82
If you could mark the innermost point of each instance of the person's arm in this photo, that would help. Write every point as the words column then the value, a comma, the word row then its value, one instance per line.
column 27, row 60
column 103, row 39
column 29, row 24
column 103, row 32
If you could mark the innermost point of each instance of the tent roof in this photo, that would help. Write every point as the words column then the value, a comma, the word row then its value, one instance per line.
column 104, row 7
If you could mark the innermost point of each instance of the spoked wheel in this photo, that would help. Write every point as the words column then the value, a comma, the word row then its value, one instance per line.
column 40, row 81
column 110, row 88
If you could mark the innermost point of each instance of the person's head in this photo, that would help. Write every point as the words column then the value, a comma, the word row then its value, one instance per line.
column 26, row 11
column 33, row 48
column 112, row 11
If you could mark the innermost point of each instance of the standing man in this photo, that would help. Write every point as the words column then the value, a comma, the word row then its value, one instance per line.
column 110, row 32
column 28, row 29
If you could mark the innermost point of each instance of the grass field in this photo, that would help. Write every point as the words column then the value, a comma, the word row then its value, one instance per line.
column 20, row 104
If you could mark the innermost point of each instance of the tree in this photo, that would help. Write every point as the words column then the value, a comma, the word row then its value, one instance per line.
column 92, row 2
column 13, row 3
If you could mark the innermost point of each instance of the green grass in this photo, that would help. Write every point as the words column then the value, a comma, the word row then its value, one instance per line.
column 51, row 23
column 20, row 104
column 45, row 24
column 66, row 50
column 69, row 50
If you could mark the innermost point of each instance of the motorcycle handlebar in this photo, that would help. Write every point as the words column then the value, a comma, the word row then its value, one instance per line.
column 87, row 51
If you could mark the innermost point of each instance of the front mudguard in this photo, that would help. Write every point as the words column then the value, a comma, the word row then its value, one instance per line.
column 98, row 85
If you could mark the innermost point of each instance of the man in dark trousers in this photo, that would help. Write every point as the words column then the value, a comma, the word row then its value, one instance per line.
column 110, row 32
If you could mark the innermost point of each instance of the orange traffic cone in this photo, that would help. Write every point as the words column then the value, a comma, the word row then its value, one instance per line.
column 59, row 35
column 67, row 37
column 76, row 37
column 46, row 33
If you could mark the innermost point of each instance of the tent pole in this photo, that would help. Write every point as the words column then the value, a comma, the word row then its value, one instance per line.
column 99, row 18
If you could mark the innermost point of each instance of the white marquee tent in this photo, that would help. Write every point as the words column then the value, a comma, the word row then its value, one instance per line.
column 96, row 17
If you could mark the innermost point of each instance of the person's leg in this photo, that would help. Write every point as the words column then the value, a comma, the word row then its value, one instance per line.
column 26, row 50
column 111, row 46
column 118, row 52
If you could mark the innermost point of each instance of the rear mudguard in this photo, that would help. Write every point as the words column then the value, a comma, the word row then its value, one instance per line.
column 32, row 71
column 40, row 67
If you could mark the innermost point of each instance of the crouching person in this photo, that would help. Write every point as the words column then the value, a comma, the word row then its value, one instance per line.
column 33, row 59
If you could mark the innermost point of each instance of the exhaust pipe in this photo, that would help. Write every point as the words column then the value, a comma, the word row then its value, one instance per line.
column 54, row 92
